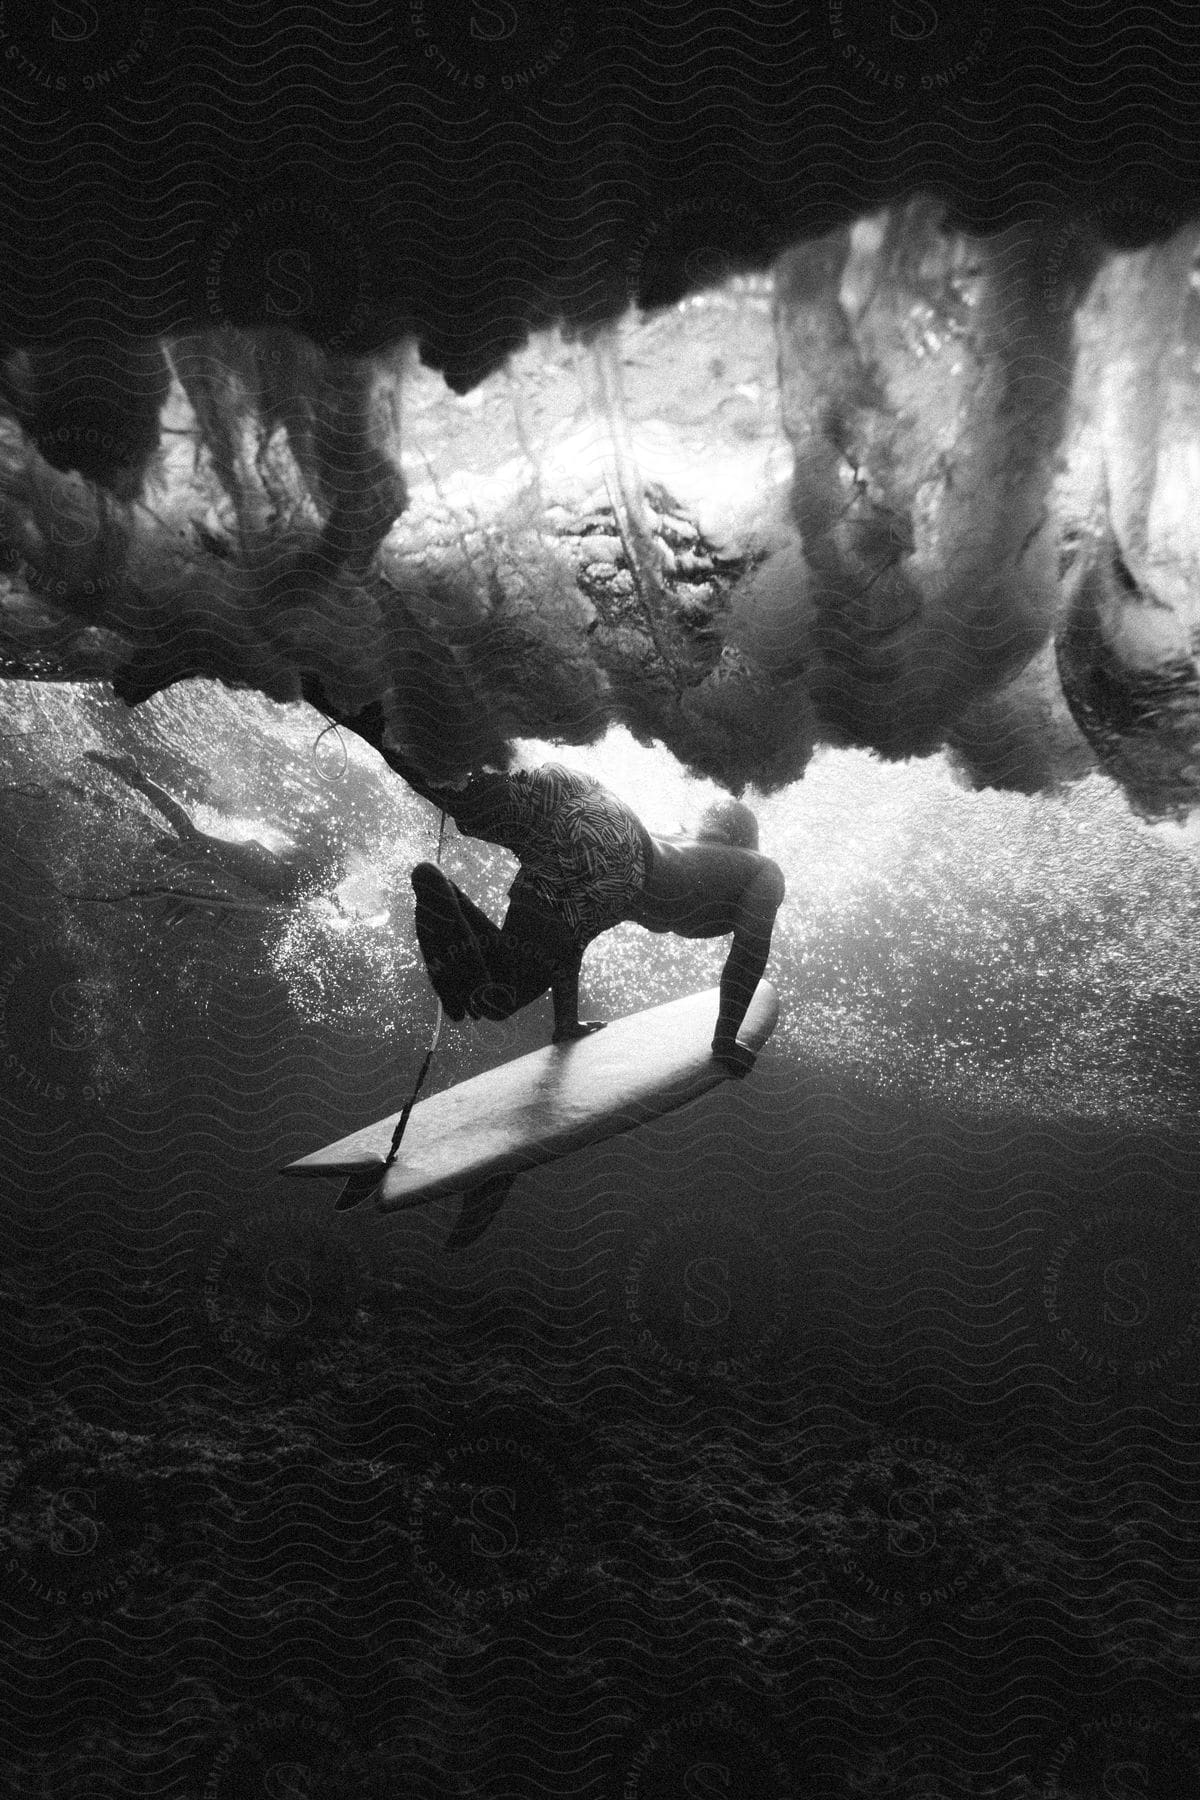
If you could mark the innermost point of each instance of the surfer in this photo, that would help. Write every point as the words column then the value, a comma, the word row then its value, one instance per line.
column 274, row 878
column 587, row 864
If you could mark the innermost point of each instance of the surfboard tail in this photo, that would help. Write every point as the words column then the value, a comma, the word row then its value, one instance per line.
column 359, row 1187
column 550, row 1103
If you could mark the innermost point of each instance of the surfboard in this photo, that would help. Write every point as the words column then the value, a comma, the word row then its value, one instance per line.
column 476, row 1138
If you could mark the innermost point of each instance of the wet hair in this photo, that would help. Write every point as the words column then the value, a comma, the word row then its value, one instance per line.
column 728, row 822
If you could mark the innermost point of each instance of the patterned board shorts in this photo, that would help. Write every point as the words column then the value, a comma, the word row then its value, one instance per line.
column 583, row 854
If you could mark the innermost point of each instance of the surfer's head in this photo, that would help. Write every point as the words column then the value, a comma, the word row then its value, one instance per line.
column 728, row 822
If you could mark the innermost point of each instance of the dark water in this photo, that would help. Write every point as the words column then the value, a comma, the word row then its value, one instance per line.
column 835, row 1436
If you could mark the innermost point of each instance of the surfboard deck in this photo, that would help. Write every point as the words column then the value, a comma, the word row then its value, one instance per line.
column 547, row 1104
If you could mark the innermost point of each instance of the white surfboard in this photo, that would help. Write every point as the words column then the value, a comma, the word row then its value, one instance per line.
column 474, row 1139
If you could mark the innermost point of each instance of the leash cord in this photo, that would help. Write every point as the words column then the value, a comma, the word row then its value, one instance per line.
column 402, row 1121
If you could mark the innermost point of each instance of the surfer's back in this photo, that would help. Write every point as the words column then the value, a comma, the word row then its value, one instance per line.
column 697, row 887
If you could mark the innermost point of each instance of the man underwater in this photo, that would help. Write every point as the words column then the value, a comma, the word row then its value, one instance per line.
column 587, row 864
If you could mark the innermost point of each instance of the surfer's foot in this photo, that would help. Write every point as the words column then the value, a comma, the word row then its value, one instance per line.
column 735, row 1057
column 567, row 1034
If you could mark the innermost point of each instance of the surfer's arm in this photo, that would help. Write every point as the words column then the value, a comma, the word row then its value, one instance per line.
column 745, row 964
column 481, row 806
column 518, row 811
column 564, row 988
column 490, row 806
column 172, row 812
column 370, row 724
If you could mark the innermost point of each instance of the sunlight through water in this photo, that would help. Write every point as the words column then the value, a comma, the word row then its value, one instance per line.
column 986, row 950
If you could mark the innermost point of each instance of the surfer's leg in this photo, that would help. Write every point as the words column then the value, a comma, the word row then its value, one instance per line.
column 537, row 950
column 454, row 937
column 565, row 988
column 531, row 947
column 518, row 959
column 482, row 929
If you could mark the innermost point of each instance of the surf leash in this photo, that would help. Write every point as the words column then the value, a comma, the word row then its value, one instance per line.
column 364, row 1181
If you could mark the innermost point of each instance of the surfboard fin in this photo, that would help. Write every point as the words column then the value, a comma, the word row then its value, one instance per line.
column 480, row 1206
column 359, row 1186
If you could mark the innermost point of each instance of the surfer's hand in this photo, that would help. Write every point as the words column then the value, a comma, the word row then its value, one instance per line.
column 735, row 1057
column 566, row 1034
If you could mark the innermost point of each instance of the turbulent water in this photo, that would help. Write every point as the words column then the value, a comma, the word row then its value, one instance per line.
column 834, row 1436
